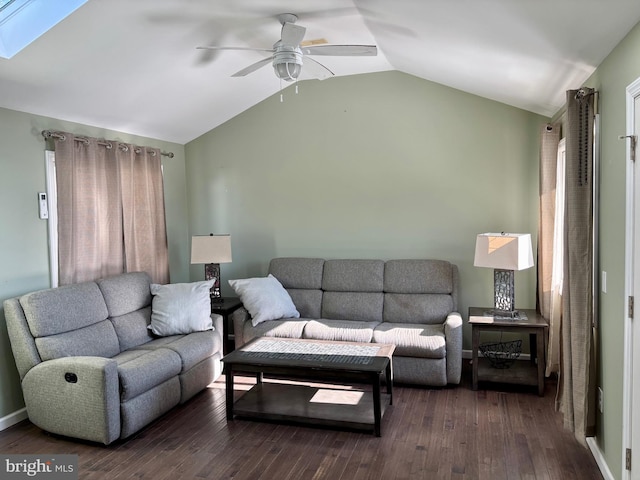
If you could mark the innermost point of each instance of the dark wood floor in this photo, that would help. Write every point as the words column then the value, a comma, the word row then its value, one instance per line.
column 447, row 433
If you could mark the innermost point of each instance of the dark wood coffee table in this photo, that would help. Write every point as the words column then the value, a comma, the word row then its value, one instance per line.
column 338, row 363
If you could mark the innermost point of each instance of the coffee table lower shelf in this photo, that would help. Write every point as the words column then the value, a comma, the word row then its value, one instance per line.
column 310, row 405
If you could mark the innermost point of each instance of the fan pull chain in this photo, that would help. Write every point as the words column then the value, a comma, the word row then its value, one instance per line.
column 281, row 96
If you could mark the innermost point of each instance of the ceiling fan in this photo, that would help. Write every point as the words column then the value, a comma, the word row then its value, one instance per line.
column 288, row 52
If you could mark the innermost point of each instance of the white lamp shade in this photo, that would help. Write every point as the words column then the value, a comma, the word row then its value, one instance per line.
column 211, row 249
column 506, row 251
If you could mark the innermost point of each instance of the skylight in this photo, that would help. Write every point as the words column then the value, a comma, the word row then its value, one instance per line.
column 23, row 21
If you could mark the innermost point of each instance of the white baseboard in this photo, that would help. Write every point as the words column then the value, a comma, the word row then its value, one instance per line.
column 13, row 418
column 597, row 455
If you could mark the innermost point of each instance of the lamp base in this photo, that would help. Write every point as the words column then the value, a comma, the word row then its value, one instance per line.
column 212, row 271
column 504, row 292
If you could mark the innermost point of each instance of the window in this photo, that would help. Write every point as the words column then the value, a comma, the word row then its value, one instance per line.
column 52, row 198
column 23, row 21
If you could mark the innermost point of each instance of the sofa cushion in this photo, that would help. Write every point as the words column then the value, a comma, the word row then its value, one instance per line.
column 97, row 340
column 141, row 370
column 63, row 309
column 181, row 308
column 132, row 328
column 264, row 298
column 339, row 330
column 353, row 276
column 417, row 308
column 303, row 273
column 308, row 302
column 360, row 306
column 426, row 341
column 288, row 328
column 126, row 293
column 418, row 276
column 194, row 348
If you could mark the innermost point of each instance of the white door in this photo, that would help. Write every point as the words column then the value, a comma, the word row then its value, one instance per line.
column 631, row 439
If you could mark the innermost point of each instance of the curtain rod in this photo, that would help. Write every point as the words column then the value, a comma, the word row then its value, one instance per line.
column 49, row 134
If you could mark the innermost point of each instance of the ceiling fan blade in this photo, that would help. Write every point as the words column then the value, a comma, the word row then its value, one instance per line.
column 252, row 68
column 270, row 50
column 292, row 34
column 315, row 69
column 342, row 50
column 314, row 42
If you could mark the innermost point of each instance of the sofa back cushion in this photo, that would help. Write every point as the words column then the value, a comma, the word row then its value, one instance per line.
column 419, row 291
column 353, row 276
column 126, row 293
column 301, row 273
column 70, row 320
column 131, row 328
column 353, row 290
column 97, row 340
column 128, row 300
column 307, row 302
column 62, row 309
column 358, row 306
column 417, row 308
column 419, row 276
column 302, row 278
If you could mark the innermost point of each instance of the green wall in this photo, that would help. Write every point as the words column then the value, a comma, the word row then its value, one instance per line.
column 611, row 79
column 24, row 257
column 382, row 165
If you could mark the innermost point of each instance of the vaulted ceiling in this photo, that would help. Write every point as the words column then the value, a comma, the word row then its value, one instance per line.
column 132, row 66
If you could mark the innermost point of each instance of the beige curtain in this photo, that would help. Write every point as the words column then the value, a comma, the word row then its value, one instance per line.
column 548, row 303
column 110, row 210
column 145, row 244
column 575, row 386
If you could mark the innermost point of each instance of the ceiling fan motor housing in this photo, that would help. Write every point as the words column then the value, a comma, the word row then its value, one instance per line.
column 287, row 61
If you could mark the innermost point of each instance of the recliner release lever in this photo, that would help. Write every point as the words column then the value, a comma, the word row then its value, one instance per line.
column 71, row 377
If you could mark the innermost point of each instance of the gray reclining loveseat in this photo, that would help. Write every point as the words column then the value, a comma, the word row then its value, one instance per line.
column 410, row 303
column 89, row 366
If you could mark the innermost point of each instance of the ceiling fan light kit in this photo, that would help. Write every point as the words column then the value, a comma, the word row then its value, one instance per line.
column 287, row 61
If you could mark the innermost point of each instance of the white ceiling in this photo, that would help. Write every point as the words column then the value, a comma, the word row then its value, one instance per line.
column 132, row 66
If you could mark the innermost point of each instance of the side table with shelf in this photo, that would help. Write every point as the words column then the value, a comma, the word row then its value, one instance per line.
column 225, row 306
column 525, row 373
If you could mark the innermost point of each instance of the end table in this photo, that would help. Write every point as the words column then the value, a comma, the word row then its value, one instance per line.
column 225, row 306
column 526, row 373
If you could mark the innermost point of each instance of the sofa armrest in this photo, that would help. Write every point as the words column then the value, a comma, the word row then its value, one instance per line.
column 453, row 337
column 76, row 397
column 239, row 318
column 218, row 326
column 23, row 345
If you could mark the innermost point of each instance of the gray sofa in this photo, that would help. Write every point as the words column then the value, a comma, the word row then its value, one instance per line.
column 410, row 303
column 89, row 366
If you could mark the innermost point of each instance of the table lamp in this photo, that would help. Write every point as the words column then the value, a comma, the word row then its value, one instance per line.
column 212, row 250
column 504, row 252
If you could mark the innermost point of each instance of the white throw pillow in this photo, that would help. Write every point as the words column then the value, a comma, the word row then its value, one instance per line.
column 264, row 298
column 181, row 308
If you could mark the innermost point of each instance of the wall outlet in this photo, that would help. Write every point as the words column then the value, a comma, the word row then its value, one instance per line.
column 600, row 400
